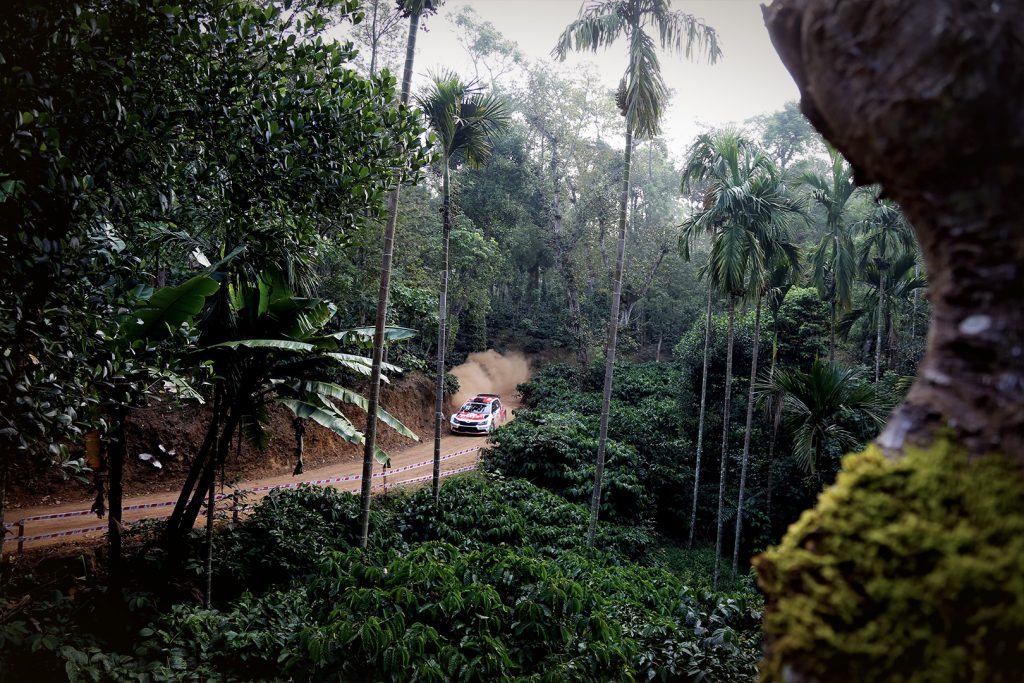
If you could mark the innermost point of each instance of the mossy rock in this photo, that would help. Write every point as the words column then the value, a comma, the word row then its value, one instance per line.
column 908, row 570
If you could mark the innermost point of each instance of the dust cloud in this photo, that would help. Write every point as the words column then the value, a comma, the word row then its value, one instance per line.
column 490, row 372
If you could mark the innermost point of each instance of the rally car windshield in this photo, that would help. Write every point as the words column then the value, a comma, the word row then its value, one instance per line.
column 474, row 408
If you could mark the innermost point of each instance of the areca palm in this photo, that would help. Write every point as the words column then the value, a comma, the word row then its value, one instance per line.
column 814, row 404
column 781, row 279
column 746, row 213
column 887, row 235
column 896, row 282
column 641, row 99
column 415, row 10
column 835, row 257
column 465, row 120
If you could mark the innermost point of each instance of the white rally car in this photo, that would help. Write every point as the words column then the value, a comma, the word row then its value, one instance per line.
column 479, row 415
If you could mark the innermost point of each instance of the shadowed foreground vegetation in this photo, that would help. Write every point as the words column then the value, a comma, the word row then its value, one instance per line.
column 494, row 583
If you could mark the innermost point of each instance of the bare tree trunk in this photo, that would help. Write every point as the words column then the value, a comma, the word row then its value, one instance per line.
column 209, row 474
column 613, row 330
column 832, row 331
column 208, row 592
column 175, row 529
column 725, row 438
column 299, row 426
column 565, row 266
column 4, row 465
column 374, row 38
column 628, row 314
column 117, row 450
column 879, row 322
column 370, row 434
column 746, row 439
column 657, row 350
column 442, row 337
column 700, row 420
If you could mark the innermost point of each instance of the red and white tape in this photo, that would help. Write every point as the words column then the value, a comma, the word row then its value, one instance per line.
column 222, row 496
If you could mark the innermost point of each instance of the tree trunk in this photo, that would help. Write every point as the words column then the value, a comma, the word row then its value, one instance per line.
column 725, row 438
column 832, row 331
column 775, row 343
column 879, row 323
column 373, row 401
column 175, row 530
column 627, row 315
column 374, row 39
column 776, row 416
column 209, row 472
column 700, row 420
column 208, row 592
column 299, row 426
column 657, row 350
column 117, row 450
column 3, row 502
column 926, row 99
column 442, row 337
column 746, row 438
column 565, row 267
column 613, row 331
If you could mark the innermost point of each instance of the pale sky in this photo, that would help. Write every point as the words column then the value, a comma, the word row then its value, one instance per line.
column 749, row 80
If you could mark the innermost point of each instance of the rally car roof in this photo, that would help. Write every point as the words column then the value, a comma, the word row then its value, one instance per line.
column 484, row 398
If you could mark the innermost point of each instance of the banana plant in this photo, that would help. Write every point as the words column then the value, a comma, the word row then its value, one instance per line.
column 267, row 345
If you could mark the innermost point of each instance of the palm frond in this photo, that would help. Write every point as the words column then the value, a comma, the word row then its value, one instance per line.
column 599, row 25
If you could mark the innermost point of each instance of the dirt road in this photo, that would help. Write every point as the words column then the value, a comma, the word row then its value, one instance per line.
column 483, row 372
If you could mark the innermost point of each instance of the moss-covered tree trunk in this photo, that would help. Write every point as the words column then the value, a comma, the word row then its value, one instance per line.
column 908, row 569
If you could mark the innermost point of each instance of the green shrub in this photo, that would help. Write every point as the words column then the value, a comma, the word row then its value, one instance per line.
column 557, row 451
column 288, row 533
column 473, row 512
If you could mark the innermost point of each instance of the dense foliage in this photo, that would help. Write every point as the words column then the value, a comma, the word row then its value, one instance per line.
column 493, row 583
column 649, row 476
column 191, row 199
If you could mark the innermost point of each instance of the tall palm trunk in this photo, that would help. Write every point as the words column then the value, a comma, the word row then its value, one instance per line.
column 880, row 316
column 442, row 336
column 613, row 331
column 700, row 420
column 725, row 436
column 832, row 332
column 746, row 438
column 370, row 435
column 775, row 342
column 775, row 415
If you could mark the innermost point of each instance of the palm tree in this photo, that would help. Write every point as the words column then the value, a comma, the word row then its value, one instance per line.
column 780, row 281
column 834, row 258
column 895, row 283
column 415, row 10
column 814, row 403
column 759, row 284
column 745, row 212
column 700, row 419
column 641, row 100
column 887, row 235
column 465, row 121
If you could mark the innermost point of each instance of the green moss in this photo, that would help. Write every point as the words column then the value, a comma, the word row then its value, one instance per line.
column 909, row 571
